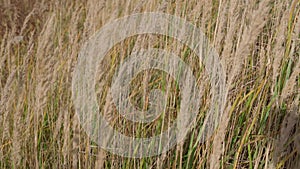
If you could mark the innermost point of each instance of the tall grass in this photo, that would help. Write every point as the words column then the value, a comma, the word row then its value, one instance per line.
column 259, row 46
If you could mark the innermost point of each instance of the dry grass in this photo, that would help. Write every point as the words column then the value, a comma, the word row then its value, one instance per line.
column 258, row 43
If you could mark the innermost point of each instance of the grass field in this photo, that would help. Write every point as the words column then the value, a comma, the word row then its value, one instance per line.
column 258, row 43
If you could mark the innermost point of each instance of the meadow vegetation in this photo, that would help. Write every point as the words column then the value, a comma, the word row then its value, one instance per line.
column 258, row 43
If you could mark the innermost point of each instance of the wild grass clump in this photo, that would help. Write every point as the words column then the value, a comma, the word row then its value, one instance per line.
column 258, row 43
